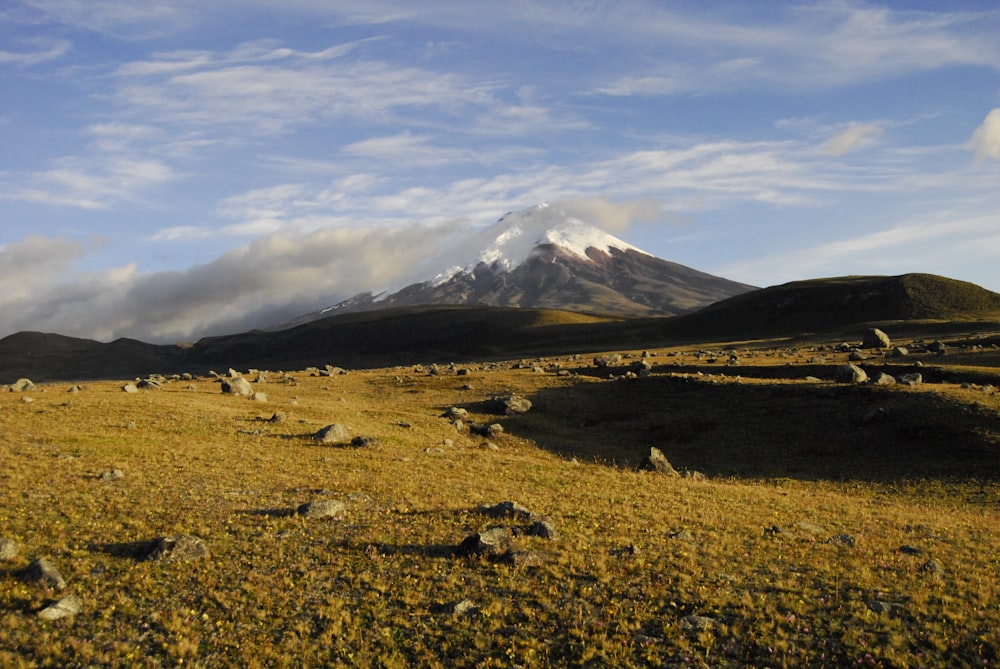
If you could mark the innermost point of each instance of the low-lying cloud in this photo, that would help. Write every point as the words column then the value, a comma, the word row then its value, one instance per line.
column 262, row 283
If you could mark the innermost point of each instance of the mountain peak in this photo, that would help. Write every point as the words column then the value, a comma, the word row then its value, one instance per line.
column 514, row 238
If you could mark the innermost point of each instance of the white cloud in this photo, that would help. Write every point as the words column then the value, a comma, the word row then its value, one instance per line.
column 47, row 50
column 985, row 142
column 854, row 137
column 269, row 280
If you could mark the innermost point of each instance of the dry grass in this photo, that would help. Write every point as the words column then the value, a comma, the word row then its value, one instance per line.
column 376, row 587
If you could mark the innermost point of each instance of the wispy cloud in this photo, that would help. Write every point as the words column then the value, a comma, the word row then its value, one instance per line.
column 985, row 142
column 43, row 51
column 854, row 137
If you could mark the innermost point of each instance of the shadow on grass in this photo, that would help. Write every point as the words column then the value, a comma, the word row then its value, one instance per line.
column 133, row 550
column 805, row 431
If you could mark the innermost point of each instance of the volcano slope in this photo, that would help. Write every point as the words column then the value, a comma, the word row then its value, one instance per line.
column 829, row 524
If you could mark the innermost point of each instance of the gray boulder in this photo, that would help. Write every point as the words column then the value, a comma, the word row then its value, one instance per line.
column 44, row 572
column 850, row 373
column 237, row 386
column 177, row 548
column 492, row 543
column 65, row 607
column 875, row 338
column 8, row 549
column 22, row 385
column 911, row 379
column 323, row 508
column 656, row 461
column 334, row 433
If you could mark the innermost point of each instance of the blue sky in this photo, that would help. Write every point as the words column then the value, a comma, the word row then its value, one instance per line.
column 182, row 168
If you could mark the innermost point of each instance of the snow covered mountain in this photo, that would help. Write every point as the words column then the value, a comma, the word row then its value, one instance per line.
column 544, row 257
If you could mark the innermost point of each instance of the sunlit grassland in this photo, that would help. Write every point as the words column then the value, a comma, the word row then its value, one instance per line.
column 376, row 588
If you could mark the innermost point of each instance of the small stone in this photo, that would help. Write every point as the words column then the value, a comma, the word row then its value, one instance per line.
column 43, row 571
column 844, row 539
column 333, row 434
column 492, row 543
column 130, row 388
column 237, row 386
column 364, row 442
column 65, row 607
column 850, row 373
column 111, row 475
column 656, row 461
column 544, row 529
column 323, row 508
column 931, row 567
column 279, row 417
column 911, row 550
column 507, row 510
column 8, row 549
column 177, row 548
column 465, row 607
column 698, row 623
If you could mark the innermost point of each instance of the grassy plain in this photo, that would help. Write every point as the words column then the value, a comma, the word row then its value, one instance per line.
column 790, row 463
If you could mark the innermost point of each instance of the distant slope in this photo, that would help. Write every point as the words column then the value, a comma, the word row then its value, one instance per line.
column 42, row 356
column 406, row 335
column 823, row 305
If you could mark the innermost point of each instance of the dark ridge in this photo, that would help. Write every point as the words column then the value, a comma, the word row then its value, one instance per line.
column 825, row 305
column 404, row 335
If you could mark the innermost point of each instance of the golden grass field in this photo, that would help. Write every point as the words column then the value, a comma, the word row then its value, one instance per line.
column 790, row 464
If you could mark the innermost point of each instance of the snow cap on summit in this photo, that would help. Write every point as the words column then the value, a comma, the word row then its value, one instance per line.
column 510, row 241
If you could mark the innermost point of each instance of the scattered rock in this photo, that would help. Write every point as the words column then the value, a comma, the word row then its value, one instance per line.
column 65, row 607
column 8, row 549
column 507, row 510
column 177, row 548
column 656, row 461
column 259, row 397
column 466, row 607
column 932, row 566
column 44, row 572
column 510, row 404
column 130, row 388
column 334, row 433
column 884, row 379
column 322, row 508
column 111, row 475
column 278, row 417
column 912, row 550
column 850, row 373
column 900, row 352
column 609, row 360
column 237, row 386
column 492, row 543
column 22, row 385
column 544, row 529
column 843, row 539
column 149, row 384
column 886, row 608
column 365, row 442
column 698, row 624
column 875, row 338
column 911, row 379
column 681, row 535
column 455, row 413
